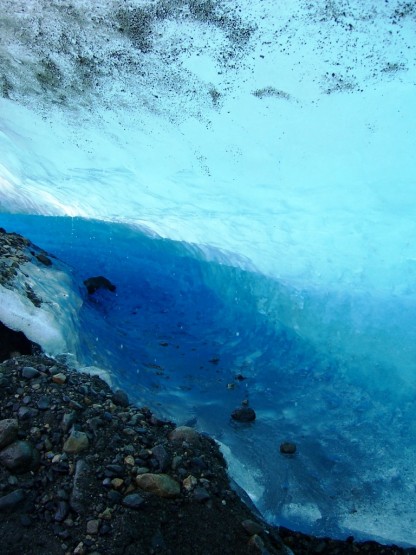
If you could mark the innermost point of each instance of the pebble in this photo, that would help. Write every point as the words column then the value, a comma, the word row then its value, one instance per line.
column 59, row 378
column 80, row 549
column 161, row 456
column 79, row 498
column 8, row 431
column 133, row 501
column 76, row 442
column 161, row 485
column 114, row 470
column 11, row 500
column 117, row 483
column 67, row 420
column 252, row 527
column 26, row 413
column 93, row 527
column 44, row 403
column 189, row 483
column 61, row 511
column 287, row 448
column 256, row 544
column 201, row 494
column 28, row 373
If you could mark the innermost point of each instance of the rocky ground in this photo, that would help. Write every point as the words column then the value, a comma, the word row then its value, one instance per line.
column 82, row 471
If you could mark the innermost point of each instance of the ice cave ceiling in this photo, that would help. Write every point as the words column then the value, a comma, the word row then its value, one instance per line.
column 275, row 137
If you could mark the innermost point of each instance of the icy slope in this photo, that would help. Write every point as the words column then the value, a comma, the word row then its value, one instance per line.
column 38, row 296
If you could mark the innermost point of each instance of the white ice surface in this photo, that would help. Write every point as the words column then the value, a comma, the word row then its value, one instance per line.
column 54, row 324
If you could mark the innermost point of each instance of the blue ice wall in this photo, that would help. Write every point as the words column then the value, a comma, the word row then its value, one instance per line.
column 192, row 337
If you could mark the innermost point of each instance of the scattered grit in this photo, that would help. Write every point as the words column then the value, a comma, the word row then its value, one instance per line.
column 84, row 472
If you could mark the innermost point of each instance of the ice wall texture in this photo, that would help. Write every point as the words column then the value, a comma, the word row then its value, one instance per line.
column 280, row 133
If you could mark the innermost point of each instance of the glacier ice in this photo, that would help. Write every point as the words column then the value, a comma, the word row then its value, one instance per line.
column 245, row 174
column 43, row 303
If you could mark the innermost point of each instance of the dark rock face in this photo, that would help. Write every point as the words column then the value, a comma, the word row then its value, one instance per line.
column 243, row 414
column 14, row 341
column 99, row 282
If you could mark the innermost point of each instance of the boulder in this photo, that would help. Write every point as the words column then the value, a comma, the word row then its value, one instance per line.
column 159, row 484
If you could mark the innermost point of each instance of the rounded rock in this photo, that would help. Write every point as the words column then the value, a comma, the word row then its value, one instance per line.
column 59, row 378
column 28, row 373
column 8, row 431
column 287, row 448
column 161, row 485
column 185, row 433
column 133, row 501
column 77, row 442
column 243, row 414
column 19, row 456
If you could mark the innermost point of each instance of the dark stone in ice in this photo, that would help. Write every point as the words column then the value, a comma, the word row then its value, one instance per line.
column 288, row 448
column 243, row 414
column 44, row 259
column 99, row 282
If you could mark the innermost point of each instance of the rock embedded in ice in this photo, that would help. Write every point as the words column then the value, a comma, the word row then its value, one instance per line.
column 287, row 448
column 243, row 414
column 43, row 259
column 99, row 282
